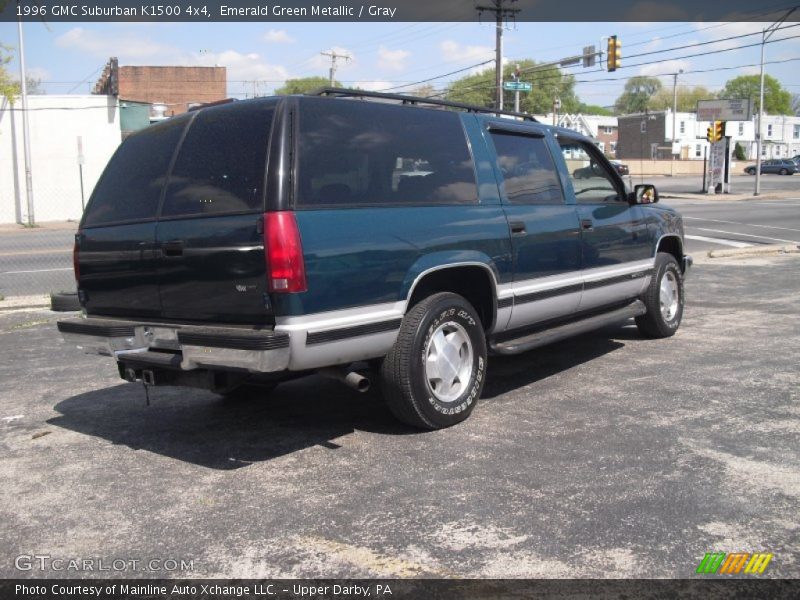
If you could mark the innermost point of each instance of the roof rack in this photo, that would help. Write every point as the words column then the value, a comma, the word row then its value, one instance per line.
column 345, row 92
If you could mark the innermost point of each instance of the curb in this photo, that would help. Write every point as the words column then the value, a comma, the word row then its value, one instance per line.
column 755, row 251
column 725, row 197
column 21, row 302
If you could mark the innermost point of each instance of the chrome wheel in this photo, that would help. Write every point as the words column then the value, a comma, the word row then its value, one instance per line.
column 669, row 296
column 448, row 361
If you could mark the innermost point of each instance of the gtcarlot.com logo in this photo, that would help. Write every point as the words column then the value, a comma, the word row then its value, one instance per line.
column 734, row 563
column 45, row 562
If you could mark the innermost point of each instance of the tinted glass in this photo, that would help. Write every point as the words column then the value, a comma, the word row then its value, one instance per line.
column 220, row 166
column 364, row 153
column 591, row 179
column 131, row 185
column 529, row 174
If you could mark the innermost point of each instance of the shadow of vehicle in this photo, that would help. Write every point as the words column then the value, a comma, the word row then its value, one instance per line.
column 202, row 428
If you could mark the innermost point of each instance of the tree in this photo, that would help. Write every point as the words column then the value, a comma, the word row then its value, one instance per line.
column 637, row 94
column 593, row 109
column 777, row 101
column 9, row 89
column 547, row 83
column 738, row 152
column 687, row 98
column 34, row 86
column 796, row 104
column 303, row 85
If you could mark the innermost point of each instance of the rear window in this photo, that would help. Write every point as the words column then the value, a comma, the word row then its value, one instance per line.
column 220, row 167
column 131, row 185
column 354, row 153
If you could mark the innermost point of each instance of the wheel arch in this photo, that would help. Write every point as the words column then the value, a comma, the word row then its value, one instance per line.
column 671, row 243
column 476, row 281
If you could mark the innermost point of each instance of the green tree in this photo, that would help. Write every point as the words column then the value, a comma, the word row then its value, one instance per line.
column 687, row 98
column 9, row 88
column 593, row 109
column 547, row 83
column 303, row 85
column 777, row 101
column 637, row 94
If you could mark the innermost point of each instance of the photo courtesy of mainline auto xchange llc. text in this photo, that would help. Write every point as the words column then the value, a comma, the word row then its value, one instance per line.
column 439, row 300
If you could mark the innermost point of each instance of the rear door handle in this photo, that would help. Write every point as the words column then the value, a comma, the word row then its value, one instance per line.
column 172, row 248
column 517, row 228
column 587, row 224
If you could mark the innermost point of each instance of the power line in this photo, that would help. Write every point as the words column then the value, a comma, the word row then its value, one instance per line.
column 439, row 76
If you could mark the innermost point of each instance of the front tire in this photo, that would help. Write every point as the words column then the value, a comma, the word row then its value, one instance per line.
column 663, row 298
column 784, row 172
column 434, row 374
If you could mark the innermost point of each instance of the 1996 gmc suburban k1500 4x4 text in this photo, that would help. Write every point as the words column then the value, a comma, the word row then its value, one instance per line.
column 245, row 243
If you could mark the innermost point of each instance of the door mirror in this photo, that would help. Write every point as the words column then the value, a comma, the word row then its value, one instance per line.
column 644, row 194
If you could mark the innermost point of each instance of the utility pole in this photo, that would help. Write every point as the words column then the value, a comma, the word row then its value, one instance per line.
column 674, row 114
column 333, row 56
column 516, row 92
column 500, row 15
column 765, row 35
column 26, row 140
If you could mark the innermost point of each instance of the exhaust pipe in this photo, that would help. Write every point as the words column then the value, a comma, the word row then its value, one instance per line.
column 351, row 379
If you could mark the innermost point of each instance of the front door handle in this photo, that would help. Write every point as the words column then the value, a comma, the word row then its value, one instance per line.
column 517, row 228
column 172, row 248
column 587, row 224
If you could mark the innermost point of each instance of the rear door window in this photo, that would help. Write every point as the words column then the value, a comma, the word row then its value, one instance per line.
column 355, row 153
column 131, row 185
column 529, row 173
column 220, row 167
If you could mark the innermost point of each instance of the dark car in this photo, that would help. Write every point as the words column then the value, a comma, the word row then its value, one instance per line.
column 361, row 235
column 590, row 170
column 778, row 166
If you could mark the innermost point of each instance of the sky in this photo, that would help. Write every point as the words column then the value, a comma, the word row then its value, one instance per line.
column 68, row 57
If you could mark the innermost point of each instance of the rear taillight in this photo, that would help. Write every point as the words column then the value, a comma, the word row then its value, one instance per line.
column 286, row 271
column 76, row 266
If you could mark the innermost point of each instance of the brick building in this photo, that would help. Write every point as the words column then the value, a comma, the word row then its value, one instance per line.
column 176, row 87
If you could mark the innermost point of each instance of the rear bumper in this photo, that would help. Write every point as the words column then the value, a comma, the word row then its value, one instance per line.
column 182, row 347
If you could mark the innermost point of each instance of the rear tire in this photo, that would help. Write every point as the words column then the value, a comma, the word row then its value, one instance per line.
column 663, row 299
column 784, row 172
column 434, row 374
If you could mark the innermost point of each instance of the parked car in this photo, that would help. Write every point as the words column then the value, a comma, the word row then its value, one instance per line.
column 591, row 170
column 362, row 235
column 779, row 166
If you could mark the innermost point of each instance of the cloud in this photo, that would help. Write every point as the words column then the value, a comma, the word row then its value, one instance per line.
column 393, row 60
column 665, row 67
column 278, row 36
column 453, row 52
column 128, row 47
column 242, row 67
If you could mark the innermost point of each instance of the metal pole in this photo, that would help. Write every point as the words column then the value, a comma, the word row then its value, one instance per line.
column 26, row 141
column 498, row 49
column 760, row 117
column 674, row 114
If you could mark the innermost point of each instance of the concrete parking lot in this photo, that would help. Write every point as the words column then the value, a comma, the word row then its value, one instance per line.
column 604, row 456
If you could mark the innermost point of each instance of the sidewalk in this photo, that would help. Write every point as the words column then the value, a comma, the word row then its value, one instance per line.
column 735, row 197
column 43, row 226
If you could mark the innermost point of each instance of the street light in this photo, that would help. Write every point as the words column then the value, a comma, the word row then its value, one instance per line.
column 765, row 35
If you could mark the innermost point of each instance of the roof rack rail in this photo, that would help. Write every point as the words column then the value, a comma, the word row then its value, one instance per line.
column 346, row 92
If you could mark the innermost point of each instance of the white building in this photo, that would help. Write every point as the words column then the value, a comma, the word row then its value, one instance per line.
column 57, row 123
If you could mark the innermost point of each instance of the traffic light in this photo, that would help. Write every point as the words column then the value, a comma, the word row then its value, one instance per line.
column 716, row 131
column 719, row 130
column 614, row 57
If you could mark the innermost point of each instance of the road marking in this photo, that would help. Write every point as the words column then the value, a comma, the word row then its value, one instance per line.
column 701, row 238
column 758, row 237
column 35, row 271
column 745, row 224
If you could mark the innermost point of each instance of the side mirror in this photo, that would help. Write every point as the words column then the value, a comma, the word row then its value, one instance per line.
column 644, row 194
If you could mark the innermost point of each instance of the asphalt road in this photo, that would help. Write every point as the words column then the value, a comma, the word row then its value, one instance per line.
column 604, row 456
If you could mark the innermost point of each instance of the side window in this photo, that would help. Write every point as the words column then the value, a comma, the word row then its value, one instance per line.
column 529, row 173
column 131, row 185
column 355, row 153
column 591, row 180
column 220, row 166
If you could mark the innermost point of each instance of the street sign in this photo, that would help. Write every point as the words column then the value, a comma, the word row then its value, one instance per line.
column 724, row 110
column 517, row 86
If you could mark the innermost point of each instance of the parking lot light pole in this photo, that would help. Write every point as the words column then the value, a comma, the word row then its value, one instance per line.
column 26, row 139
